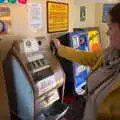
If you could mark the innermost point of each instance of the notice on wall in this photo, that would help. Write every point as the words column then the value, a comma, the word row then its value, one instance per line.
column 35, row 16
column 82, row 13
column 57, row 17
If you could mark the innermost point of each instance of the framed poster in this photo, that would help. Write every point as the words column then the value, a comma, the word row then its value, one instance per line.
column 106, row 9
column 5, row 19
column 57, row 17
column 82, row 13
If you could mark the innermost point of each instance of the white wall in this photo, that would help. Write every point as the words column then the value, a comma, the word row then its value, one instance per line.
column 19, row 15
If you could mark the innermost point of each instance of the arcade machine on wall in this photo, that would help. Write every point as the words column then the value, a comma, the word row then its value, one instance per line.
column 76, row 75
column 33, row 77
column 93, row 36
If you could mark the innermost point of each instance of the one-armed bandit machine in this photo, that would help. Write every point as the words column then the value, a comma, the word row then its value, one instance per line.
column 32, row 77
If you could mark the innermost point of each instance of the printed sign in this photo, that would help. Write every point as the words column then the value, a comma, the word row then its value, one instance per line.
column 57, row 17
column 34, row 16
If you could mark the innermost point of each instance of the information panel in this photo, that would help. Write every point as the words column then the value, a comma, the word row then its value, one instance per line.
column 57, row 17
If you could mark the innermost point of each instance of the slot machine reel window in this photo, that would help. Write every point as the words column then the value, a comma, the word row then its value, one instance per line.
column 38, row 65
column 40, row 68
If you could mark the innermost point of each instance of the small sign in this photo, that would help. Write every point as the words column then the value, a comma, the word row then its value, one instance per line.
column 82, row 13
column 35, row 16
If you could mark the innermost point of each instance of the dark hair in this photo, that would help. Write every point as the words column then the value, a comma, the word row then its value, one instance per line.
column 114, row 13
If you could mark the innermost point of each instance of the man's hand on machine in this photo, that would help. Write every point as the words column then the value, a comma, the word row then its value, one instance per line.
column 56, row 42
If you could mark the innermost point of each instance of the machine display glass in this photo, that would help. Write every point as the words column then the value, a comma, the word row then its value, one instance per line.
column 86, row 40
column 80, row 42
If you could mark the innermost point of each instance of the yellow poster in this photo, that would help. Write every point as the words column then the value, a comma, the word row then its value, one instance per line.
column 93, row 38
column 57, row 17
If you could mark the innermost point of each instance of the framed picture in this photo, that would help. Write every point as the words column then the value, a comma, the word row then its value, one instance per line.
column 106, row 9
column 5, row 19
column 57, row 17
column 82, row 13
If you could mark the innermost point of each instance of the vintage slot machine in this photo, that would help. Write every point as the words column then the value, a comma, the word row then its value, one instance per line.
column 32, row 77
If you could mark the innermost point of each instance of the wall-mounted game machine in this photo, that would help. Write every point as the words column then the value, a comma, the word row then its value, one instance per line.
column 86, row 39
column 32, row 77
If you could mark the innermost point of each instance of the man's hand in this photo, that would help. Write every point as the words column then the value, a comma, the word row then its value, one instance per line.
column 56, row 42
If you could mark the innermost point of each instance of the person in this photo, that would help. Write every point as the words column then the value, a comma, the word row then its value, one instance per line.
column 102, row 102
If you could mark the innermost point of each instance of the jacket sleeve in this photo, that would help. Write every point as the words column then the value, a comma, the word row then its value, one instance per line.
column 79, row 56
column 110, row 108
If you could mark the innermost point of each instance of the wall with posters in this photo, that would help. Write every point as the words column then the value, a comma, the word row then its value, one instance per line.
column 20, row 22
column 94, row 14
